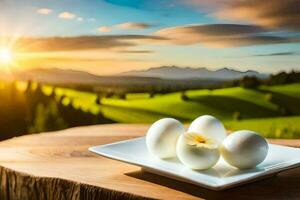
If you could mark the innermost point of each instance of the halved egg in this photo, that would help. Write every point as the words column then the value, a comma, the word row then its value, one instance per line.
column 210, row 127
column 197, row 151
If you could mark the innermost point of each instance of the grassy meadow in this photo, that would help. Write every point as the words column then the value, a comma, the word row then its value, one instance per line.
column 274, row 111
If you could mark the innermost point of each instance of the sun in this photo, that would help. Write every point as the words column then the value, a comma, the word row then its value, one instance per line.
column 6, row 56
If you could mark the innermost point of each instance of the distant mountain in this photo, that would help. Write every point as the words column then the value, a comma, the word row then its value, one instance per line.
column 174, row 72
column 159, row 74
column 53, row 75
column 88, row 81
column 162, row 79
column 63, row 76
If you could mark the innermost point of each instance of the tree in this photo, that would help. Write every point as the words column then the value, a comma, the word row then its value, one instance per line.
column 184, row 96
column 250, row 82
column 237, row 116
column 47, row 118
column 98, row 100
column 284, row 78
column 269, row 97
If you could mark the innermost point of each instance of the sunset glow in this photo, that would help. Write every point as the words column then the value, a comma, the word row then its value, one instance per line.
column 137, row 35
column 6, row 56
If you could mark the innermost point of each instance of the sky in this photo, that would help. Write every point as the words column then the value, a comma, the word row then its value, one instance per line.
column 113, row 36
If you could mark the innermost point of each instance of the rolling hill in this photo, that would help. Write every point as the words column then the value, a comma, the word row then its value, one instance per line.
column 222, row 103
column 256, row 109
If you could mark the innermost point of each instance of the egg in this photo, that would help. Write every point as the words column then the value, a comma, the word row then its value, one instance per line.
column 244, row 149
column 162, row 137
column 209, row 126
column 197, row 151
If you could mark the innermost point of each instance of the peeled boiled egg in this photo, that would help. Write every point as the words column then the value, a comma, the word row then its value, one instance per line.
column 162, row 136
column 244, row 149
column 210, row 127
column 197, row 151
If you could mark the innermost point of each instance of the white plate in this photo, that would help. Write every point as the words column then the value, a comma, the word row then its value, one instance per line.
column 221, row 176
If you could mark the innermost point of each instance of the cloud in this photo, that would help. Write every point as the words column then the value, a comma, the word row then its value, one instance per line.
column 134, row 26
column 80, row 19
column 83, row 42
column 44, row 11
column 222, row 35
column 104, row 29
column 95, row 64
column 289, row 53
column 271, row 13
column 136, row 51
column 125, row 26
column 274, row 14
column 67, row 15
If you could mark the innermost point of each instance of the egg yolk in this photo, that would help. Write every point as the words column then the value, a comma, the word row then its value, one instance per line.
column 200, row 139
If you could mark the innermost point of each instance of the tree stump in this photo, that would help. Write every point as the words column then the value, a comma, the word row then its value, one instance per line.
column 58, row 165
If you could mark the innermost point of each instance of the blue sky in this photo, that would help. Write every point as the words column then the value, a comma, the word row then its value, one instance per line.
column 122, row 35
column 97, row 13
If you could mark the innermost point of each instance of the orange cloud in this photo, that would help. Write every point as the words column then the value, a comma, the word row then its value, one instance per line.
column 104, row 29
column 272, row 13
column 220, row 35
column 135, row 51
column 82, row 43
column 67, row 15
column 95, row 65
column 44, row 11
column 134, row 25
column 283, row 14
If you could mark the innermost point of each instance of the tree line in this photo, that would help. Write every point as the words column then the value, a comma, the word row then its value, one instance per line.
column 274, row 79
column 31, row 111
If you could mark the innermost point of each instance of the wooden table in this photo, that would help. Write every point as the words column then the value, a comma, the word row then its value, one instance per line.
column 58, row 166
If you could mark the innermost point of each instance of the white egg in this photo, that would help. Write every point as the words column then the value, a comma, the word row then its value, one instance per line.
column 162, row 136
column 244, row 149
column 209, row 126
column 196, row 151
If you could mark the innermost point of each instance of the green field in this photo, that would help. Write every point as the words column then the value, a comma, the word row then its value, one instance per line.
column 260, row 109
column 222, row 103
column 292, row 90
column 279, row 127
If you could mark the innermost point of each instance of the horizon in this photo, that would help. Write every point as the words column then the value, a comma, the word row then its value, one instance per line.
column 125, row 73
column 104, row 37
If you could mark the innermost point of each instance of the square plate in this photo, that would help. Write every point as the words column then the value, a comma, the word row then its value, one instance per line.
column 220, row 177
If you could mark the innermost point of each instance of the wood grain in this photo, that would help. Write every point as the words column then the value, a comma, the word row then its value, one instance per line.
column 58, row 166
